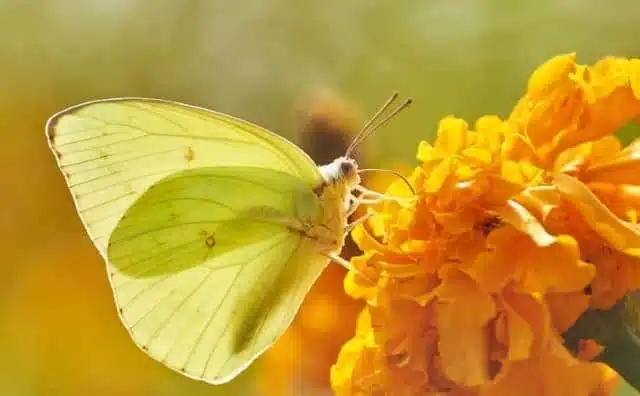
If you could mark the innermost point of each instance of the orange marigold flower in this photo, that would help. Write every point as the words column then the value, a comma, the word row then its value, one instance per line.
column 518, row 226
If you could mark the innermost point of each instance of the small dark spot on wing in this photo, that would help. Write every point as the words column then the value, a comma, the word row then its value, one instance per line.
column 210, row 241
column 189, row 154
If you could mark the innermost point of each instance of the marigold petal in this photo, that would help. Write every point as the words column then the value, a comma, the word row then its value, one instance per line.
column 564, row 375
column 491, row 130
column 438, row 175
column 462, row 312
column 421, row 290
column 379, row 224
column 589, row 349
column 365, row 241
column 341, row 373
column 611, row 380
column 551, row 374
column 574, row 158
column 520, row 172
column 452, row 135
column 534, row 311
column 622, row 199
column 541, row 200
column 621, row 235
column 479, row 156
column 566, row 308
column 355, row 363
column 619, row 171
column 550, row 72
column 398, row 187
column 618, row 274
column 582, row 77
column 520, row 334
column 588, row 157
column 554, row 268
column 515, row 379
column 357, row 289
column 493, row 268
column 634, row 77
column 461, row 302
column 358, row 363
column 500, row 190
column 426, row 152
column 517, row 147
column 522, row 220
column 610, row 73
column 463, row 352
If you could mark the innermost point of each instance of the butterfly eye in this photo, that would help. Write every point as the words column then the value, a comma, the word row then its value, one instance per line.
column 346, row 168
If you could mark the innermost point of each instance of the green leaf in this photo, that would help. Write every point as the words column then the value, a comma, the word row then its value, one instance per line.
column 618, row 330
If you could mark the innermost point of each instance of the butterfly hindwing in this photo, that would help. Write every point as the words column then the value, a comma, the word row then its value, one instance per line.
column 208, row 270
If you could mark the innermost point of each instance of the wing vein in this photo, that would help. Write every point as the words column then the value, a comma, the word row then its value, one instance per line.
column 226, row 328
column 220, row 304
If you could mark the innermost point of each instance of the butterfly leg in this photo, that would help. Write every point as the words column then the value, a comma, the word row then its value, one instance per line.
column 355, row 202
column 377, row 197
column 339, row 260
column 349, row 227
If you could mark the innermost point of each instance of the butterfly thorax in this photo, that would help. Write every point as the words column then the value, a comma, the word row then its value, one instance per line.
column 340, row 177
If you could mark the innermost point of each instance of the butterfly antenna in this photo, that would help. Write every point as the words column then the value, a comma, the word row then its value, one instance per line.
column 406, row 181
column 366, row 126
column 377, row 126
column 371, row 125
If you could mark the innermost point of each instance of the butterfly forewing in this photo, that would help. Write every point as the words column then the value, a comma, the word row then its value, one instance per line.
column 111, row 151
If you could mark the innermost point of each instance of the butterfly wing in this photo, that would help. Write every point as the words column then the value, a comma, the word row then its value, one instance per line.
column 110, row 151
column 208, row 267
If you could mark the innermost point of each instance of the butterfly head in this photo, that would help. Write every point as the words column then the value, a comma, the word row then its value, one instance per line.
column 342, row 170
column 348, row 171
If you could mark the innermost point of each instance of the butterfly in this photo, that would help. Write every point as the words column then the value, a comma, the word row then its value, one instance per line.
column 213, row 229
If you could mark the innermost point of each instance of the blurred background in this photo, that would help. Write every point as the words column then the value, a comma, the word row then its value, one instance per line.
column 311, row 70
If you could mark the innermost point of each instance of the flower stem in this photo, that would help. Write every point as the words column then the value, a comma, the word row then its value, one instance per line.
column 618, row 330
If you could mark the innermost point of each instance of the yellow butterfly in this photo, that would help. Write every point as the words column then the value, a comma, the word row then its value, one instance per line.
column 213, row 229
